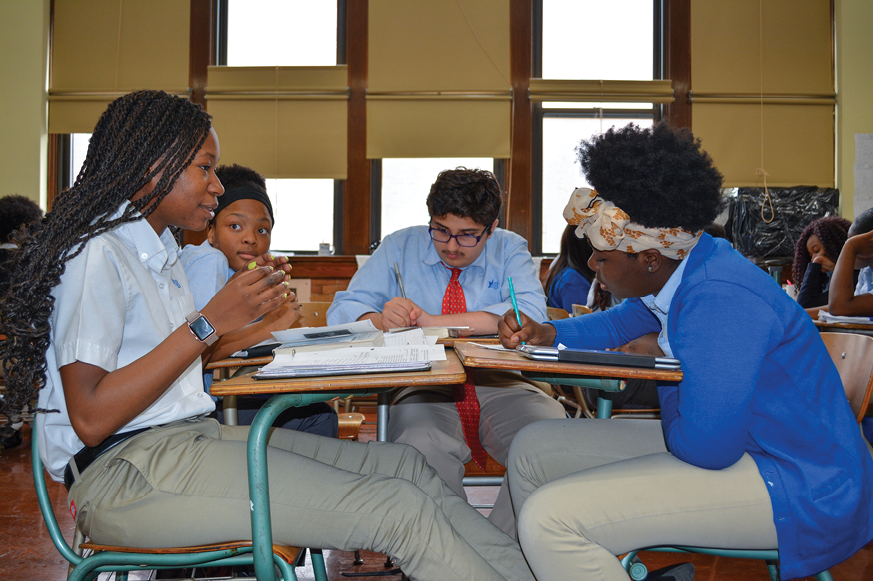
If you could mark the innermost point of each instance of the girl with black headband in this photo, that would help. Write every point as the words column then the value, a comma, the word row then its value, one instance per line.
column 238, row 234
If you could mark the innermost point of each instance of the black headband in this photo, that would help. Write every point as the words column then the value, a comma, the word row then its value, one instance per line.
column 245, row 193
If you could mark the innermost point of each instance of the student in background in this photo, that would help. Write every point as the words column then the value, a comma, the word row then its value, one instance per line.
column 569, row 278
column 757, row 447
column 240, row 232
column 455, row 274
column 15, row 212
column 847, row 299
column 815, row 254
column 103, row 312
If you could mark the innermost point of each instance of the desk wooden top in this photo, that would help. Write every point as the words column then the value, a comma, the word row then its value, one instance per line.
column 826, row 325
column 472, row 356
column 238, row 362
column 450, row 341
column 446, row 372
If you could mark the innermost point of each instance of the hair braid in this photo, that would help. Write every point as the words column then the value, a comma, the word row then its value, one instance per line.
column 140, row 136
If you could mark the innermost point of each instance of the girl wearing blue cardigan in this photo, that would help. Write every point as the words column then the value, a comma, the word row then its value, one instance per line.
column 757, row 447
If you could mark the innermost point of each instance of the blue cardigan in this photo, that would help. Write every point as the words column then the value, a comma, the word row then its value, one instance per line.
column 757, row 379
column 569, row 288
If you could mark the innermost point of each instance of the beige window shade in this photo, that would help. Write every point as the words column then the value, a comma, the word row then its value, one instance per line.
column 605, row 91
column 798, row 142
column 285, row 122
column 779, row 53
column 438, row 78
column 102, row 49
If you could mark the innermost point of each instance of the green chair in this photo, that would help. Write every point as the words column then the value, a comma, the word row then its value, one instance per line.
column 638, row 571
column 124, row 559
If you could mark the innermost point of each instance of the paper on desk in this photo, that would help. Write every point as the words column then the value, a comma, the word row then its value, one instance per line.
column 489, row 346
column 360, row 356
column 829, row 318
column 304, row 333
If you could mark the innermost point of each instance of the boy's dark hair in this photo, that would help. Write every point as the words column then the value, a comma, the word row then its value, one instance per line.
column 832, row 231
column 15, row 211
column 141, row 136
column 863, row 222
column 233, row 176
column 466, row 193
column 659, row 176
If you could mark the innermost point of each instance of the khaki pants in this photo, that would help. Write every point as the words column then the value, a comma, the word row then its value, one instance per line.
column 428, row 421
column 587, row 490
column 186, row 484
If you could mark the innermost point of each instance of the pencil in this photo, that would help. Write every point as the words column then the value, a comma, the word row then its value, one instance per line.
column 399, row 280
column 514, row 303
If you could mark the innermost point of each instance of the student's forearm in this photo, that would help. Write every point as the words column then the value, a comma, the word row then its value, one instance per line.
column 842, row 300
column 100, row 403
column 237, row 340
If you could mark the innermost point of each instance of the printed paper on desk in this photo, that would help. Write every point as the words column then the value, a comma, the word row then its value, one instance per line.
column 360, row 356
column 310, row 333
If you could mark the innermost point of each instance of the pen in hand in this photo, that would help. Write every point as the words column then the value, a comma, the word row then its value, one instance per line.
column 399, row 280
column 514, row 303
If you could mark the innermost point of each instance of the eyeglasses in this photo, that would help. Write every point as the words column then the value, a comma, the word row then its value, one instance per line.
column 467, row 240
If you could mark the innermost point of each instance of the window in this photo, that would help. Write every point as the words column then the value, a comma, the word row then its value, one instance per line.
column 406, row 184
column 623, row 39
column 78, row 151
column 281, row 32
column 288, row 33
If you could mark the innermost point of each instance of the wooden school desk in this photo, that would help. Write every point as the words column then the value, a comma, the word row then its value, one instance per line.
column 304, row 391
column 606, row 378
column 826, row 327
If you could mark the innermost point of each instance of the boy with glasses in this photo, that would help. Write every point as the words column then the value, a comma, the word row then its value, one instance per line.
column 455, row 274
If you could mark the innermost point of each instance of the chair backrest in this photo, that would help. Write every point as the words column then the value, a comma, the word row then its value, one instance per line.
column 556, row 314
column 853, row 356
column 312, row 315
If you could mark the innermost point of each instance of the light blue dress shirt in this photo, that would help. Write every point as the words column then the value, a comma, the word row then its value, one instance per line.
column 660, row 305
column 425, row 278
column 207, row 271
column 865, row 281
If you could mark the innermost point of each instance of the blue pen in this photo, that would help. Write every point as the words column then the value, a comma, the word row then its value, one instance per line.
column 514, row 303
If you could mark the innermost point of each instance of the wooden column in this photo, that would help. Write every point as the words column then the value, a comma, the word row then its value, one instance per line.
column 356, row 197
column 677, row 60
column 519, row 181
column 201, row 54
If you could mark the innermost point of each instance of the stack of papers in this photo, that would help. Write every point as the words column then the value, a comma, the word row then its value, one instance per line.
column 829, row 318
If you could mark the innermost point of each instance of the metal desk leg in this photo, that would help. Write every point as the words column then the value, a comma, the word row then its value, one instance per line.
column 382, row 403
column 604, row 405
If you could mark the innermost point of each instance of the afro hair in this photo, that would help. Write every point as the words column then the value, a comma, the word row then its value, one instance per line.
column 659, row 176
column 235, row 175
column 15, row 211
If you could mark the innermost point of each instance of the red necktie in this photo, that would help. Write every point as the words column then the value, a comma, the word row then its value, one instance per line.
column 465, row 395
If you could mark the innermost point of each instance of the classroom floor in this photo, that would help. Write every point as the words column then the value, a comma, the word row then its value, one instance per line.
column 28, row 554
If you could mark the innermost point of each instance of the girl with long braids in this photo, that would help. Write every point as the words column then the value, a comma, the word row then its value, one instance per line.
column 757, row 447
column 101, row 321
column 815, row 255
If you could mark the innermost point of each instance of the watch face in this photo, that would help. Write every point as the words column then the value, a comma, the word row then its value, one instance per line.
column 201, row 328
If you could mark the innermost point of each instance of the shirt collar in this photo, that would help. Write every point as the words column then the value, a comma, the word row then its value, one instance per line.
column 157, row 253
column 661, row 302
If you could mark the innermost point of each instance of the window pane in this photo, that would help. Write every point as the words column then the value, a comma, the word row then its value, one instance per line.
column 561, row 172
column 303, row 210
column 593, row 39
column 281, row 32
column 79, row 147
column 406, row 184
